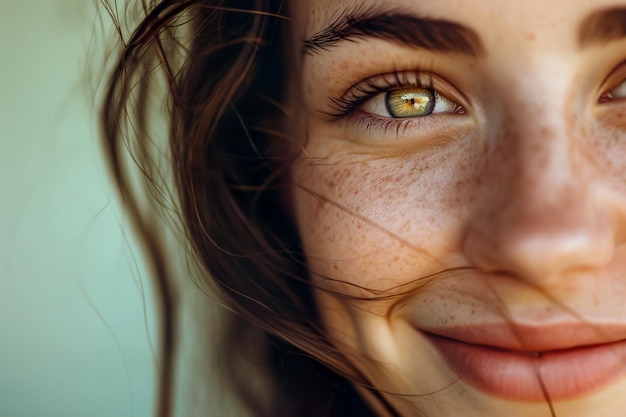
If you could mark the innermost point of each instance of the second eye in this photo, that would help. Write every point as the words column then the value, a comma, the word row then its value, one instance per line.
column 409, row 102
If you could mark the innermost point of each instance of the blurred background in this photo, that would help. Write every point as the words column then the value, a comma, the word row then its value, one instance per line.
column 77, row 325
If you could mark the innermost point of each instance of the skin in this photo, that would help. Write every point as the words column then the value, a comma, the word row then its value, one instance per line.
column 511, row 212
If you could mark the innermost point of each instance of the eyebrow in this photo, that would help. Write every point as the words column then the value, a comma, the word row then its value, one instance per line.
column 602, row 27
column 401, row 28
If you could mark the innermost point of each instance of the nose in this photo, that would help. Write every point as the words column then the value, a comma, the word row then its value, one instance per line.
column 540, row 216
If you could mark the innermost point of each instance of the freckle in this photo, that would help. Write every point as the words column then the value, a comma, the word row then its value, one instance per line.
column 531, row 36
column 345, row 65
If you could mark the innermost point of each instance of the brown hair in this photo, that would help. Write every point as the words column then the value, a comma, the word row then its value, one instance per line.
column 223, row 68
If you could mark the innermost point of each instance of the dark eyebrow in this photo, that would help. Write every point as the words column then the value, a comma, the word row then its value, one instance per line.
column 602, row 27
column 401, row 28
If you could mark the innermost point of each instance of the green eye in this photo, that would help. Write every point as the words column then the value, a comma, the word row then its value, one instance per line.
column 410, row 102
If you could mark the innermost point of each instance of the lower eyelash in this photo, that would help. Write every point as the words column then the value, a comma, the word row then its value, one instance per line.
column 369, row 122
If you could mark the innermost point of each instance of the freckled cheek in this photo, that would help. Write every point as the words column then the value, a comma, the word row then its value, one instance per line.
column 372, row 222
column 606, row 151
column 339, row 209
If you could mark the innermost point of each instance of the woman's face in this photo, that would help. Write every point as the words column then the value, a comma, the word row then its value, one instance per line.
column 461, row 198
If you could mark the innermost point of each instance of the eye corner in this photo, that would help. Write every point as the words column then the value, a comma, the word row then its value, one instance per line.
column 613, row 88
column 606, row 97
column 460, row 110
column 615, row 94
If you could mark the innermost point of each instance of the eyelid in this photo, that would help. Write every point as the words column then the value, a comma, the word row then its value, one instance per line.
column 615, row 78
column 362, row 91
column 415, row 131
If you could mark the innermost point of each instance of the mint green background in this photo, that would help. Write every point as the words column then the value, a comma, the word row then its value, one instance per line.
column 74, row 339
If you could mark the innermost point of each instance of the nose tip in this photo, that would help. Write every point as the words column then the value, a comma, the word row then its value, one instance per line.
column 542, row 246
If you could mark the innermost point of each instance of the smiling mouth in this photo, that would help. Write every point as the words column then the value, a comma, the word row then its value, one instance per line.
column 533, row 375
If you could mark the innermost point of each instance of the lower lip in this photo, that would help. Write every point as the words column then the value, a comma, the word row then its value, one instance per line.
column 555, row 375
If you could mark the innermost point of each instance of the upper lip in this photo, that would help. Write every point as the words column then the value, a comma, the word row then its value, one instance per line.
column 533, row 338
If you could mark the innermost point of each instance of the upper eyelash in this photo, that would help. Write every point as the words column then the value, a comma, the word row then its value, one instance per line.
column 362, row 91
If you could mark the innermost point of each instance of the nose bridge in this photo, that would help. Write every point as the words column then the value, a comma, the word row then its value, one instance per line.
column 541, row 177
column 545, row 171
column 540, row 218
column 535, row 139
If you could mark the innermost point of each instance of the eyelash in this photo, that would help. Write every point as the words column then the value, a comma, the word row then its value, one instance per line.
column 350, row 105
column 363, row 91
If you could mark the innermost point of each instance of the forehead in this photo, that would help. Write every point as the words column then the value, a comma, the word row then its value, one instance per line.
column 489, row 18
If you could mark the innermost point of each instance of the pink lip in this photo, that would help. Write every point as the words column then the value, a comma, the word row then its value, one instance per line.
column 560, row 362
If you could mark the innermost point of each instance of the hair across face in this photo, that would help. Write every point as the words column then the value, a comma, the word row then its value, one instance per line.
column 216, row 71
column 461, row 199
column 427, row 198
